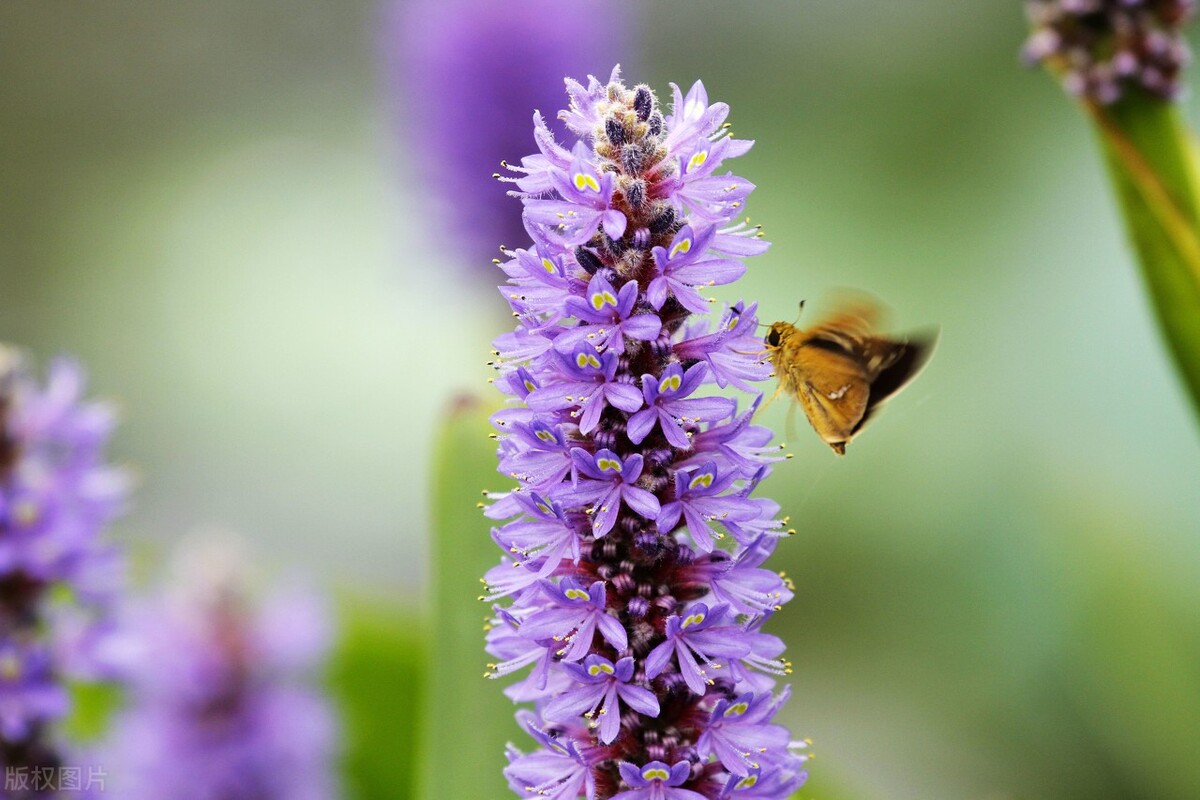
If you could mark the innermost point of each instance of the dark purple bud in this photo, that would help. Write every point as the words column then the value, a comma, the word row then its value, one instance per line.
column 588, row 260
column 656, row 124
column 635, row 194
column 615, row 131
column 632, row 159
column 643, row 102
column 637, row 607
column 663, row 220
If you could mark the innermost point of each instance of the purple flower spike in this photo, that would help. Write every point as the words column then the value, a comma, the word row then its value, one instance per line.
column 633, row 540
column 56, row 497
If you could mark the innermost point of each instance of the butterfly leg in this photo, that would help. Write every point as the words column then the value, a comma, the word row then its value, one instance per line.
column 770, row 400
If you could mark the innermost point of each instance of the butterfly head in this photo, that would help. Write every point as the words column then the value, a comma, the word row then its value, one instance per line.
column 777, row 334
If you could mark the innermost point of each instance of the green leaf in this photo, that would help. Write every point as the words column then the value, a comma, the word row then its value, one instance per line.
column 467, row 718
column 377, row 674
column 1136, row 668
column 1150, row 160
column 92, row 706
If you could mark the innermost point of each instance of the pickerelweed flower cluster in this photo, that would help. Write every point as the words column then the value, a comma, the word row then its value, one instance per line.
column 58, row 576
column 222, row 701
column 651, row 676
column 1102, row 47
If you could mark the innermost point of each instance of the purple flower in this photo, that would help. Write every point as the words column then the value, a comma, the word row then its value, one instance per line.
column 657, row 781
column 574, row 615
column 560, row 770
column 58, row 575
column 29, row 691
column 701, row 498
column 1101, row 48
column 667, row 404
column 601, row 687
column 221, row 701
column 633, row 544
column 451, row 63
column 738, row 734
column 606, row 484
column 696, row 636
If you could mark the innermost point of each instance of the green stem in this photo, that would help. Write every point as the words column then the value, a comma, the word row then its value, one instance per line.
column 1149, row 156
column 467, row 718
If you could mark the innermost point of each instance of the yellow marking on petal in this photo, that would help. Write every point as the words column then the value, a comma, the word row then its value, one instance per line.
column 682, row 246
column 697, row 160
column 656, row 774
column 530, row 386
column 596, row 669
column 586, row 181
column 607, row 464
column 601, row 299
column 747, row 782
column 548, row 265
column 671, row 383
column 692, row 619
column 587, row 360
column 704, row 479
column 545, row 436
column 736, row 710
column 576, row 594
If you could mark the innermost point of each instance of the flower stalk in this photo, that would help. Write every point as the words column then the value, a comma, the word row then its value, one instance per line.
column 1123, row 59
column 634, row 540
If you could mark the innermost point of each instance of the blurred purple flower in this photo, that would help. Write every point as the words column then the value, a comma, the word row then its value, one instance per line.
column 222, row 705
column 58, row 576
column 453, row 63
column 1101, row 48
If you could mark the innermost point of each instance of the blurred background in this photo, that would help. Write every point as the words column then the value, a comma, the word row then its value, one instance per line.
column 241, row 216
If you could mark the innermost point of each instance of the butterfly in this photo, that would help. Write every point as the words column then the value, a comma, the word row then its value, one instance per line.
column 841, row 371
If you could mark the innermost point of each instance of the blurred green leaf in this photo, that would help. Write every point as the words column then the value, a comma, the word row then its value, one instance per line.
column 467, row 719
column 1137, row 669
column 377, row 675
column 821, row 785
column 1148, row 151
column 92, row 705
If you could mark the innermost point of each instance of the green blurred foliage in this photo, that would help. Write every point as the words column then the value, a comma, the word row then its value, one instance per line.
column 92, row 706
column 996, row 586
column 467, row 719
column 378, row 677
